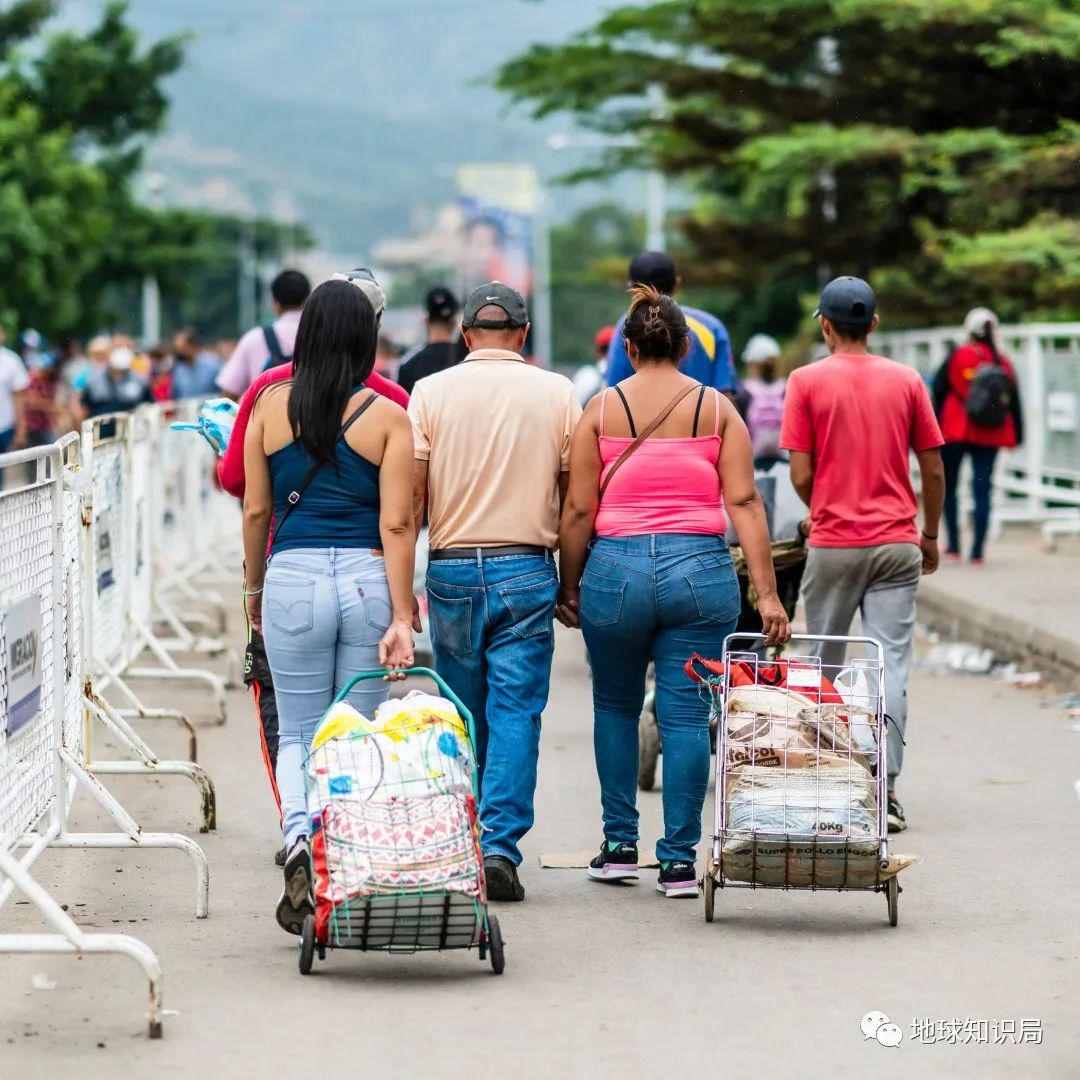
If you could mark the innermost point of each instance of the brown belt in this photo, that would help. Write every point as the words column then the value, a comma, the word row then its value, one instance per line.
column 475, row 553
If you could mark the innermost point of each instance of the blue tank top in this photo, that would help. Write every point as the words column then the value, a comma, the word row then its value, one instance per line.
column 338, row 509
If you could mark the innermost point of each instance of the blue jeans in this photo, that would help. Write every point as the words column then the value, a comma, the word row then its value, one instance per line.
column 659, row 598
column 982, row 475
column 491, row 628
column 324, row 613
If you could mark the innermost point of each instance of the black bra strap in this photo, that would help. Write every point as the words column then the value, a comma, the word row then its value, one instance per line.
column 626, row 406
column 357, row 413
column 697, row 411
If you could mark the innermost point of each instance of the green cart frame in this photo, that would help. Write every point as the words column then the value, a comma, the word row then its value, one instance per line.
column 411, row 921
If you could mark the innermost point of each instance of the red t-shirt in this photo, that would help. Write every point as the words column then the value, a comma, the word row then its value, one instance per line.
column 859, row 415
column 956, row 425
column 231, row 466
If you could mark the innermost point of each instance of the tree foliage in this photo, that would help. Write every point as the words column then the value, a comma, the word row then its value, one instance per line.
column 931, row 145
column 76, row 112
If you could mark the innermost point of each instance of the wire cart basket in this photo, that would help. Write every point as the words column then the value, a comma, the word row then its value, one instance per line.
column 396, row 851
column 801, row 773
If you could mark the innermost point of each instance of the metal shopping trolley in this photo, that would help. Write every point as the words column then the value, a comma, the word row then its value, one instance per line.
column 800, row 769
column 395, row 841
column 789, row 561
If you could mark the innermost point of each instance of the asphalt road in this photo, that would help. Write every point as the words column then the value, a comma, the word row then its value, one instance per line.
column 600, row 981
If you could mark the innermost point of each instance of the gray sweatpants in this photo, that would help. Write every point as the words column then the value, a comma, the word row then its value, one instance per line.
column 880, row 583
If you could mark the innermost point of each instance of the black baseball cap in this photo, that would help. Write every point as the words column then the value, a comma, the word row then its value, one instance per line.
column 495, row 294
column 441, row 304
column 655, row 268
column 847, row 300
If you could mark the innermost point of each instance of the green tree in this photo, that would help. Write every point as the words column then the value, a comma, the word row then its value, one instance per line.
column 76, row 113
column 589, row 255
column 930, row 145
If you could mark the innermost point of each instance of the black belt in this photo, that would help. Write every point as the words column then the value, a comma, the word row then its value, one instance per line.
column 486, row 552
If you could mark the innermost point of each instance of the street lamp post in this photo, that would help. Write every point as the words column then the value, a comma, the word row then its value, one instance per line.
column 151, row 293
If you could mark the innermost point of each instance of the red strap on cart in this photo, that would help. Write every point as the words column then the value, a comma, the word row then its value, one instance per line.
column 772, row 673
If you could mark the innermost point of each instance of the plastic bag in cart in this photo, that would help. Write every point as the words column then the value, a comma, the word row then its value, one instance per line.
column 416, row 746
column 801, row 826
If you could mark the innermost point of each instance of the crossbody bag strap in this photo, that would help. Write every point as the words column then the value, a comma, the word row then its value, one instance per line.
column 297, row 494
column 621, row 460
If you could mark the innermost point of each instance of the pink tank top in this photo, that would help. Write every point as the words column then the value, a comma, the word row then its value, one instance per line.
column 666, row 486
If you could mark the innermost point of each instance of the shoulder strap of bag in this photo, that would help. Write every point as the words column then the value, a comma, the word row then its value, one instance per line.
column 273, row 347
column 621, row 460
column 297, row 494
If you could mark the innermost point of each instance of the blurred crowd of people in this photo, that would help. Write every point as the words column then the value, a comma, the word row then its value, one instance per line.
column 48, row 389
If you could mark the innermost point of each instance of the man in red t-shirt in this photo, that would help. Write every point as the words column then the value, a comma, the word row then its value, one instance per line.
column 850, row 421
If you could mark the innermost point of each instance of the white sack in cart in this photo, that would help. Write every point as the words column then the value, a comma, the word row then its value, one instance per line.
column 416, row 746
column 801, row 826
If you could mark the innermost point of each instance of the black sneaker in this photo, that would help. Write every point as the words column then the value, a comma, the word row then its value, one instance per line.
column 297, row 899
column 677, row 879
column 279, row 856
column 616, row 862
column 895, row 815
column 502, row 879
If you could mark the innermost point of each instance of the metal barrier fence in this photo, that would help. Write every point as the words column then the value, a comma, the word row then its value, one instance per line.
column 151, row 520
column 47, row 700
column 192, row 561
column 118, row 543
column 1039, row 482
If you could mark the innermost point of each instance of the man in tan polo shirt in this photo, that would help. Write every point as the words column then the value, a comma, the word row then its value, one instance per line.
column 492, row 445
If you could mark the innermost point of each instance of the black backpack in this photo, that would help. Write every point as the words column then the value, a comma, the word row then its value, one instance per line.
column 990, row 395
column 273, row 347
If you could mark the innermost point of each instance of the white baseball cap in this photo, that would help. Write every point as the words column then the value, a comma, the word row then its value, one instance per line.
column 368, row 284
column 760, row 348
column 120, row 359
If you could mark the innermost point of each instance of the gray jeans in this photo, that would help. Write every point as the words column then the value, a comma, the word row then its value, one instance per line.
column 880, row 583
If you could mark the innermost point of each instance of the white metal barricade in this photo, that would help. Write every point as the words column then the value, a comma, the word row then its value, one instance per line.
column 1039, row 482
column 116, row 589
column 42, row 723
column 149, row 584
column 190, row 525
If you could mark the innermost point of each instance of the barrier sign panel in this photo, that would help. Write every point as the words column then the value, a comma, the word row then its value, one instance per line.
column 105, row 578
column 22, row 632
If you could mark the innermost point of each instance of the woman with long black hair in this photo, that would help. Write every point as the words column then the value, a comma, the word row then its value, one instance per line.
column 331, row 462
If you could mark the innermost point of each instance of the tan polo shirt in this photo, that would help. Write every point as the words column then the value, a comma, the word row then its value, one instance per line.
column 495, row 432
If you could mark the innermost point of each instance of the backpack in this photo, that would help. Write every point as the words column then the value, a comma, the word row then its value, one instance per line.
column 273, row 347
column 765, row 415
column 990, row 396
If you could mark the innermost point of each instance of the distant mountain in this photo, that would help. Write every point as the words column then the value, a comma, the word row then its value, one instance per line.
column 351, row 117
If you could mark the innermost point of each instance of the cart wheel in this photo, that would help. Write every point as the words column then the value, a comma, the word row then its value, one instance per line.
column 710, row 894
column 495, row 943
column 648, row 750
column 892, row 898
column 307, row 944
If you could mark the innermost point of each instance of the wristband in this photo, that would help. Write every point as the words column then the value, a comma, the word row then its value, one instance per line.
column 927, row 536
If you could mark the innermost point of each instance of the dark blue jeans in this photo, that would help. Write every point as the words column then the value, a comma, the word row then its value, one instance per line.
column 491, row 629
column 982, row 469
column 656, row 598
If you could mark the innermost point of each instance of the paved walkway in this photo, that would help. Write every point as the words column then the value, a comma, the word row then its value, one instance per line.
column 601, row 982
column 1024, row 600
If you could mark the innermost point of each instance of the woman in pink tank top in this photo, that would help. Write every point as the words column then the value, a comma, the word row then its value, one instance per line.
column 647, row 576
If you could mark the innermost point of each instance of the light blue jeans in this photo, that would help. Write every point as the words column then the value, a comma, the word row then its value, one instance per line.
column 491, row 625
column 324, row 612
column 660, row 597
